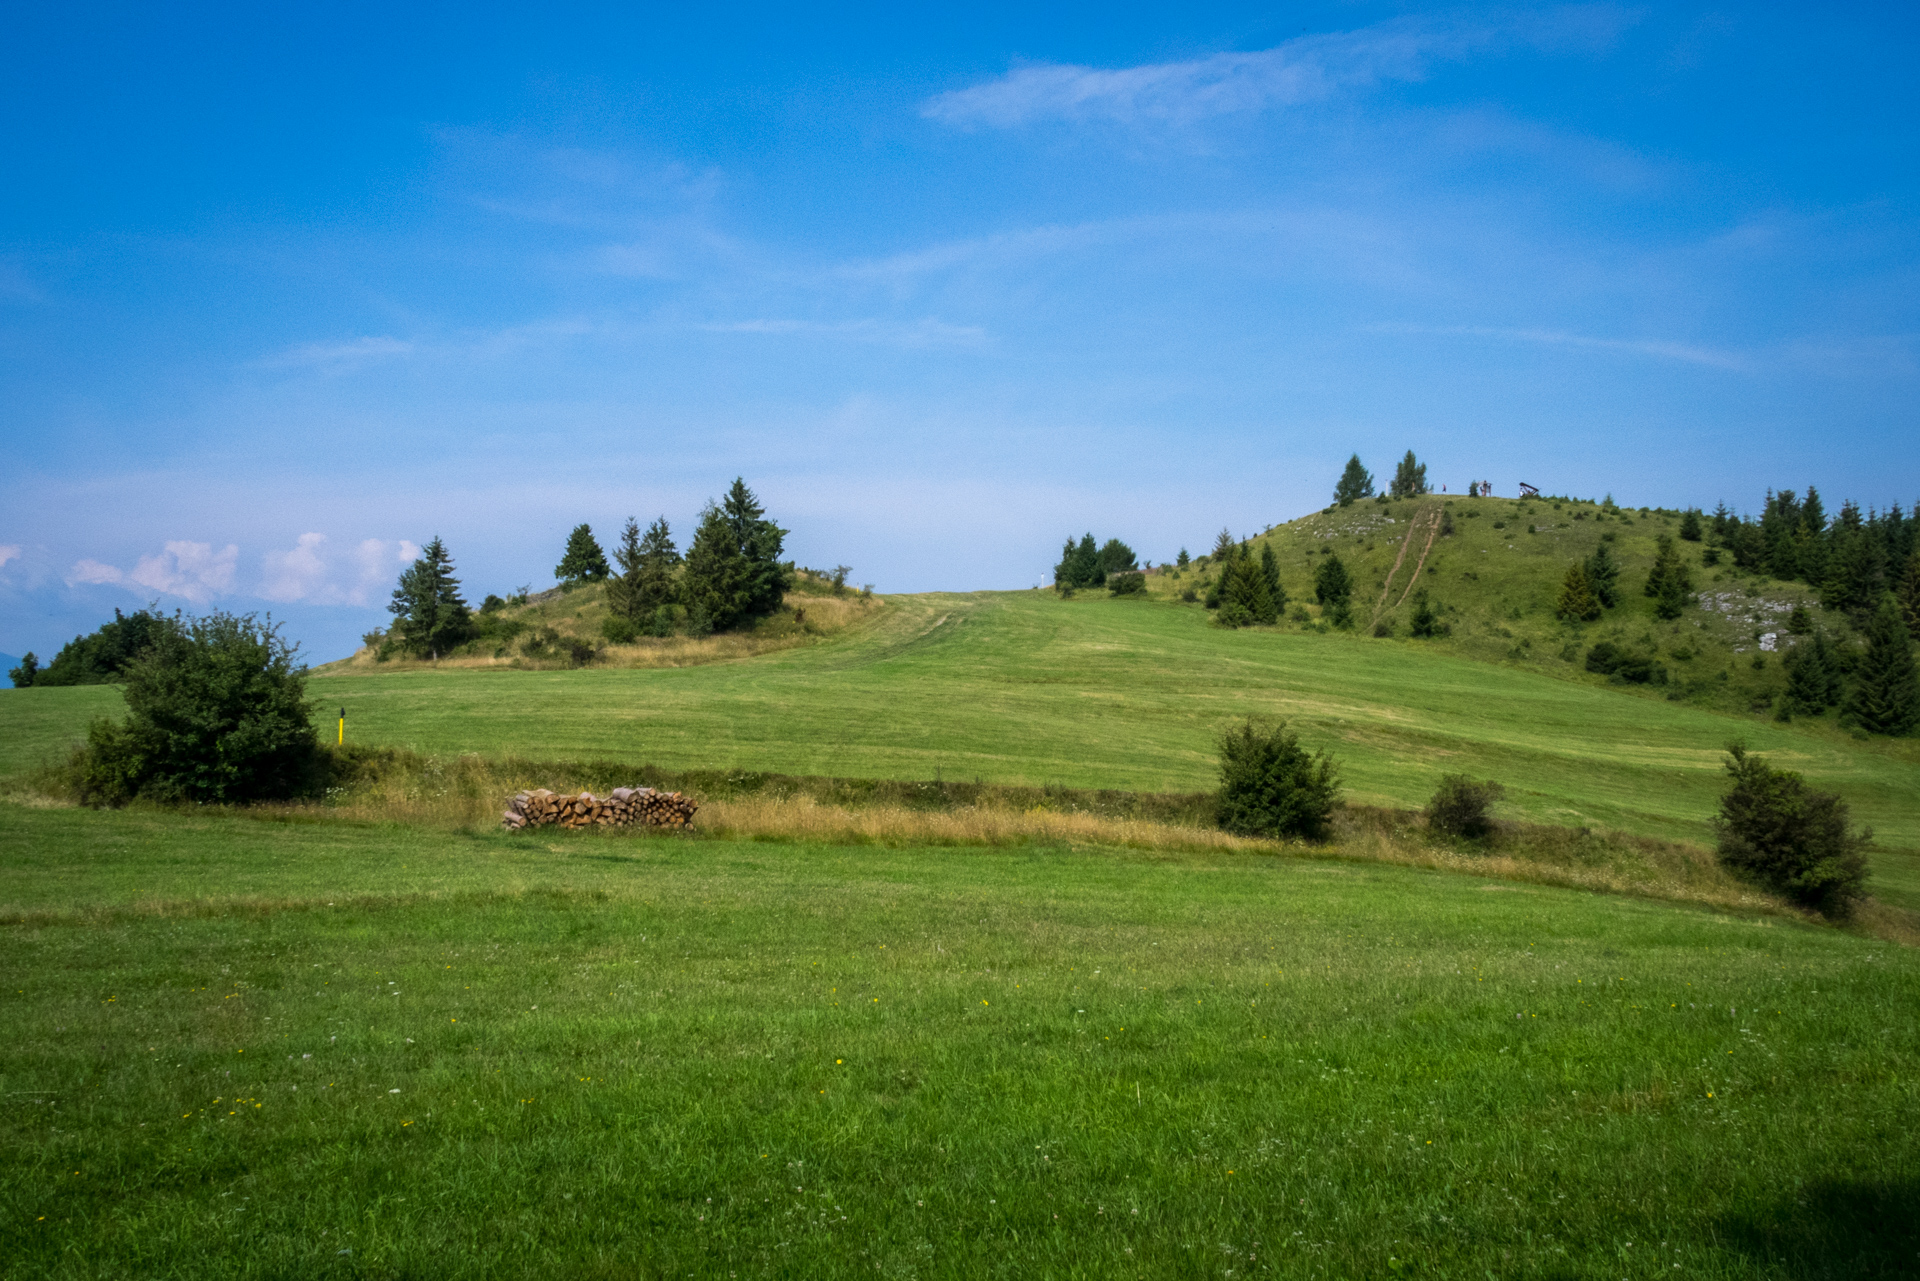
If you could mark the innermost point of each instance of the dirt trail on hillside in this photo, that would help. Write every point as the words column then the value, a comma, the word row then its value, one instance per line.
column 1431, row 517
column 1433, row 532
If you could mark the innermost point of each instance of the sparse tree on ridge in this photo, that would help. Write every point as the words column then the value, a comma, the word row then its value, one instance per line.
column 734, row 574
column 1117, row 558
column 1409, row 478
column 1355, row 482
column 1690, row 525
column 1577, row 603
column 583, row 561
column 429, row 615
column 1079, row 566
column 1182, row 560
column 1885, row 698
column 623, row 588
column 1223, row 545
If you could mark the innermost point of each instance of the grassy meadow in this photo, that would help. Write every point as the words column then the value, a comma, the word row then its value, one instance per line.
column 274, row 1045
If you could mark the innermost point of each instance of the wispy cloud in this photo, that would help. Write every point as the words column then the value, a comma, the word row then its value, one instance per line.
column 191, row 571
column 1303, row 70
column 8, row 551
column 1660, row 348
column 343, row 356
column 919, row 334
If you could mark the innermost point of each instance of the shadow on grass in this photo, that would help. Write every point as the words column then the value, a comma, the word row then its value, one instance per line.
column 1836, row 1228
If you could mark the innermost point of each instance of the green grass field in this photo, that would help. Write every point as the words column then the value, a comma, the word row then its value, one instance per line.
column 1021, row 687
column 261, row 1048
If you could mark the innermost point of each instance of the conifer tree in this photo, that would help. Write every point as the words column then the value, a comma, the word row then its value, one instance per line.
column 1813, row 676
column 734, row 573
column 1425, row 623
column 623, row 588
column 1577, row 603
column 1669, row 582
column 659, row 558
column 1237, row 590
column 1885, row 698
column 1690, row 525
column 1409, row 478
column 1603, row 576
column 1079, row 566
column 1182, row 560
column 1332, row 588
column 1223, row 545
column 429, row 615
column 1116, row 557
column 1270, row 571
column 583, row 561
column 1909, row 595
column 1355, row 482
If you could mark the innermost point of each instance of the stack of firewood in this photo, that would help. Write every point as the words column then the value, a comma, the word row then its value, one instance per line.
column 622, row 807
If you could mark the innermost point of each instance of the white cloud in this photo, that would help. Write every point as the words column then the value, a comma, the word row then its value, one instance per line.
column 8, row 551
column 194, row 571
column 296, row 574
column 1661, row 348
column 92, row 571
column 1306, row 69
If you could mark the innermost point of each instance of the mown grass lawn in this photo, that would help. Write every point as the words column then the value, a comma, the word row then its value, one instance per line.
column 243, row 1047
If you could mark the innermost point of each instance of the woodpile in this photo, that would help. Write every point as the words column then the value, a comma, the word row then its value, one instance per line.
column 622, row 807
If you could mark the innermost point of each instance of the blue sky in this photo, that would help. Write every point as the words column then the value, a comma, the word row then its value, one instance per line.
column 282, row 296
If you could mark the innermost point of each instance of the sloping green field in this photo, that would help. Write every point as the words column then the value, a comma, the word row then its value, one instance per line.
column 1022, row 687
column 244, row 1047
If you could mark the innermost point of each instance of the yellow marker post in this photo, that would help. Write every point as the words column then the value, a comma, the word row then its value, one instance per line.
column 343, row 727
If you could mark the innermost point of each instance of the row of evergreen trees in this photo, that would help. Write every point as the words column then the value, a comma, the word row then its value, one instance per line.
column 1852, row 558
column 1356, row 482
column 730, row 577
column 1084, row 565
column 1876, row 687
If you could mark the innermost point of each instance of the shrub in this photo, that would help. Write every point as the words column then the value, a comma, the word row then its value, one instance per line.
column 619, row 629
column 1796, row 840
column 1609, row 659
column 1127, row 583
column 1271, row 786
column 1460, row 807
column 1425, row 623
column 1383, row 628
column 216, row 713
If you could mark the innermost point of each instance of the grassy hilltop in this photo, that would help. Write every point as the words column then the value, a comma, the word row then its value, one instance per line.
column 1495, row 577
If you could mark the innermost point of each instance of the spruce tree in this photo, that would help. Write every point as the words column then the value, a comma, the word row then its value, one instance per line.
column 1223, row 545
column 1237, row 582
column 1116, row 557
column 1425, row 623
column 1182, row 560
column 659, row 558
column 429, row 614
column 1908, row 595
column 1885, row 698
column 1409, row 478
column 1577, row 603
column 1813, row 676
column 583, row 561
column 1079, row 566
column 1690, row 525
column 734, row 574
column 623, row 588
column 1603, row 576
column 1669, row 582
column 1270, row 570
column 1355, row 482
column 1332, row 588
